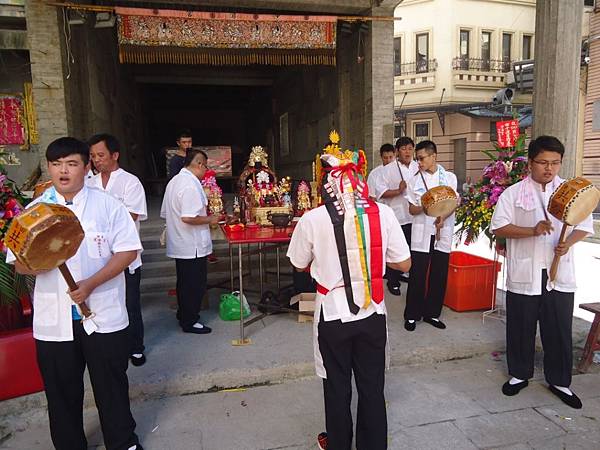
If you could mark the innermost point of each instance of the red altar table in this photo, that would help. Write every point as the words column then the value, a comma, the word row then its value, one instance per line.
column 254, row 235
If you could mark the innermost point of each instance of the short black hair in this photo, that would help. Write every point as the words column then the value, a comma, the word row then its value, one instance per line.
column 403, row 141
column 111, row 142
column 386, row 148
column 185, row 133
column 428, row 146
column 545, row 143
column 191, row 154
column 65, row 146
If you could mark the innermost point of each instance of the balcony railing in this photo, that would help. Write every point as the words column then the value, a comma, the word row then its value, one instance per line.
column 411, row 68
column 481, row 65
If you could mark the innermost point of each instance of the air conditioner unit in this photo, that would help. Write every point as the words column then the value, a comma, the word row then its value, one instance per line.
column 105, row 20
column 75, row 17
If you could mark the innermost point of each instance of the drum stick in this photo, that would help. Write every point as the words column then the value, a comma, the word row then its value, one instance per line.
column 400, row 170
column 556, row 260
column 66, row 273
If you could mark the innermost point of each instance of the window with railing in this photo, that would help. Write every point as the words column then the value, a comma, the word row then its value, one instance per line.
column 422, row 52
column 480, row 64
column 464, row 46
column 423, row 66
column 506, row 51
column 486, row 48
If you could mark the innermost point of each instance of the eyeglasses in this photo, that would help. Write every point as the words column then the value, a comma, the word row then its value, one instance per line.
column 547, row 164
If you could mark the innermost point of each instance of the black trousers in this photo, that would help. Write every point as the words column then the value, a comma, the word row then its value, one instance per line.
column 62, row 365
column 554, row 311
column 394, row 276
column 191, row 286
column 357, row 347
column 134, row 310
column 425, row 296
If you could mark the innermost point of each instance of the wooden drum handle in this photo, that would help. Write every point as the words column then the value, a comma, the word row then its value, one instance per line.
column 556, row 260
column 66, row 273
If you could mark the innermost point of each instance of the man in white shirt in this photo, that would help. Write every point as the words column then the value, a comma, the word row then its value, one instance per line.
column 127, row 188
column 66, row 344
column 532, row 237
column 387, row 154
column 425, row 295
column 350, row 324
column 188, row 238
column 391, row 190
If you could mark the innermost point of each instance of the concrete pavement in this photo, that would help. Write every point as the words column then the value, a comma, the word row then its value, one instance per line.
column 449, row 405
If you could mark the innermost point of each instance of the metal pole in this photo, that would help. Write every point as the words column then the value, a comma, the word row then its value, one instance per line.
column 260, row 267
column 231, row 265
column 241, row 294
column 278, row 280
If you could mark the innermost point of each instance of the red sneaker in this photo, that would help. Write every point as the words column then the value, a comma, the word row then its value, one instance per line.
column 322, row 441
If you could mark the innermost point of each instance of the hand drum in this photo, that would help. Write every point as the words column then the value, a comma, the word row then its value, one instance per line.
column 43, row 237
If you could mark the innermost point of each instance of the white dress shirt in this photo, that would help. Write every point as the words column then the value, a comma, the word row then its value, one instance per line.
column 423, row 225
column 390, row 179
column 185, row 197
column 313, row 243
column 109, row 229
column 373, row 180
column 527, row 257
column 128, row 189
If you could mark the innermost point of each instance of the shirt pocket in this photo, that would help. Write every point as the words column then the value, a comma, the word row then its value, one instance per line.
column 97, row 245
column 520, row 270
column 565, row 274
column 417, row 232
column 46, row 308
column 106, row 306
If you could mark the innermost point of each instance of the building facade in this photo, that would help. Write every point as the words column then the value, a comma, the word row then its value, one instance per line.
column 80, row 86
column 451, row 58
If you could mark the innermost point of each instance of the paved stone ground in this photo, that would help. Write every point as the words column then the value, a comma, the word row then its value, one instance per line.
column 450, row 405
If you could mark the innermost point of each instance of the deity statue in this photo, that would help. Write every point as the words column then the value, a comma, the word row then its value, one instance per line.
column 303, row 197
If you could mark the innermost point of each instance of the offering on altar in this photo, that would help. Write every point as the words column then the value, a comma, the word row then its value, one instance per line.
column 213, row 192
column 259, row 190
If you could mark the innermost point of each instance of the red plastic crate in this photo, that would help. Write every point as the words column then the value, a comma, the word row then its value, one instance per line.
column 471, row 282
column 19, row 373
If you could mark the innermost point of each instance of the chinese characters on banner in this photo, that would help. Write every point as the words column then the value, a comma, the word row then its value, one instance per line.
column 11, row 126
column 507, row 133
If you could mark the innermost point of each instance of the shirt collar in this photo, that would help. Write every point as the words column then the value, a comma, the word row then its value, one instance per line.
column 77, row 200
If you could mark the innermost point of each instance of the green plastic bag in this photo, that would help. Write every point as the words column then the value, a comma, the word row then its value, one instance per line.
column 229, row 308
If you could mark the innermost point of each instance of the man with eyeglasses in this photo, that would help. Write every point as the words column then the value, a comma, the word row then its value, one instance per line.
column 188, row 238
column 425, row 295
column 532, row 240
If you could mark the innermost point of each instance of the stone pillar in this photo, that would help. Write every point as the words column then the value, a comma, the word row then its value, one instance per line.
column 556, row 81
column 44, row 38
column 379, row 83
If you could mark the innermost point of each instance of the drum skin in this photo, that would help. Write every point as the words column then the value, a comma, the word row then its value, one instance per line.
column 439, row 201
column 44, row 236
column 574, row 201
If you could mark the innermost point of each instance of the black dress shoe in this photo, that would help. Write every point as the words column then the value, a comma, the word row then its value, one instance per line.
column 410, row 326
column 138, row 360
column 570, row 400
column 513, row 389
column 436, row 323
column 203, row 330
column 394, row 288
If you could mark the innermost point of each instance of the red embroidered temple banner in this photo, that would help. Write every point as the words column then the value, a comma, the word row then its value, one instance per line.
column 180, row 37
column 11, row 121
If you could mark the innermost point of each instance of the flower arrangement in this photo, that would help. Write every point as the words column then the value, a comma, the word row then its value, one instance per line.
column 508, row 166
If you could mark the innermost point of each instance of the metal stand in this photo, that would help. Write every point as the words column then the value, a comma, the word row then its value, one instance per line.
column 242, row 340
column 497, row 312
